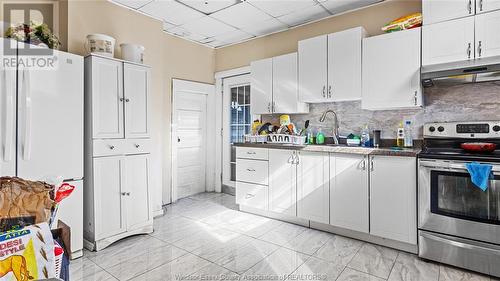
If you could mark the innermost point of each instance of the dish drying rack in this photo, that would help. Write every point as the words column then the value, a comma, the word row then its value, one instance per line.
column 276, row 138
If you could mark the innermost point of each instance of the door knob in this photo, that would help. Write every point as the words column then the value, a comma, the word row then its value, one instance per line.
column 127, row 100
column 111, row 147
column 178, row 139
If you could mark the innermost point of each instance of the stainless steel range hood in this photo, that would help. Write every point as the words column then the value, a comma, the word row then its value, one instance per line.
column 473, row 71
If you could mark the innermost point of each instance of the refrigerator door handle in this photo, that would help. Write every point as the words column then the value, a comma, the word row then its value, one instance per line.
column 9, row 116
column 27, row 112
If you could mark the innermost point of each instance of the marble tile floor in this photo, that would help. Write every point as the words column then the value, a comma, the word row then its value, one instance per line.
column 204, row 237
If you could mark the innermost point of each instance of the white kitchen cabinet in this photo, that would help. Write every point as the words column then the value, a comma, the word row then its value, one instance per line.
column 434, row 11
column 136, row 85
column 313, row 69
column 330, row 67
column 313, row 186
column 487, row 34
column 391, row 71
column 349, row 192
column 262, row 86
column 136, row 174
column 448, row 41
column 275, row 86
column 344, row 64
column 282, row 182
column 107, row 103
column 108, row 206
column 483, row 6
column 393, row 197
column 252, row 195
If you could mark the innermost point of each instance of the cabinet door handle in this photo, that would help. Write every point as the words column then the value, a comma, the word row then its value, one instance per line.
column 469, row 7
column 251, row 170
column 330, row 91
column 122, row 99
column 248, row 196
column 415, row 98
column 481, row 5
column 297, row 159
column 479, row 48
column 137, row 145
column 363, row 164
column 372, row 168
column 111, row 147
column 291, row 159
column 324, row 91
column 127, row 100
column 273, row 107
column 128, row 193
column 469, row 50
column 124, row 193
column 269, row 107
column 251, row 152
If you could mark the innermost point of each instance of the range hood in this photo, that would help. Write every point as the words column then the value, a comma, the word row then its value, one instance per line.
column 472, row 71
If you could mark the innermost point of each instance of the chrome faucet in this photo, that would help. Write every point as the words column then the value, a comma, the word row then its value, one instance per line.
column 335, row 126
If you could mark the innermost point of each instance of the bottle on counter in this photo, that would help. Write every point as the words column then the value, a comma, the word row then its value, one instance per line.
column 365, row 136
column 400, row 139
column 310, row 136
column 320, row 137
column 408, row 134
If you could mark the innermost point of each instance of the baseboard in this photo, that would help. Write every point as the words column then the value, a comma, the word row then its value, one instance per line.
column 231, row 190
column 158, row 213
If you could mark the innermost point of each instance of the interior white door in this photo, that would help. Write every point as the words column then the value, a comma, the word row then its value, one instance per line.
column 312, row 186
column 344, row 64
column 8, row 110
column 109, row 206
column 285, row 84
column 236, row 121
column 136, row 89
column 136, row 185
column 189, row 137
column 391, row 71
column 483, row 6
column 434, row 11
column 282, row 182
column 262, row 86
column 313, row 66
column 349, row 192
column 394, row 178
column 448, row 41
column 50, row 122
column 488, row 35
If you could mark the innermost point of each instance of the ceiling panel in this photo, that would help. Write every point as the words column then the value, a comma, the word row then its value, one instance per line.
column 134, row 4
column 233, row 37
column 241, row 15
column 265, row 27
column 209, row 7
column 281, row 7
column 339, row 6
column 305, row 15
column 171, row 11
column 208, row 26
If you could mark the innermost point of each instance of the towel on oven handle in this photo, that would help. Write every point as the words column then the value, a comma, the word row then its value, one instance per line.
column 480, row 174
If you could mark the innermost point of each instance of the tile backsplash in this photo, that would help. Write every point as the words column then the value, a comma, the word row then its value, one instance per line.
column 468, row 102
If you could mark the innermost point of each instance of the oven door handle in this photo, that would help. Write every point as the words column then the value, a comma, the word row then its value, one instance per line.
column 454, row 242
column 450, row 166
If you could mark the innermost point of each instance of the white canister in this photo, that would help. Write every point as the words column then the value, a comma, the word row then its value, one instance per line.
column 132, row 52
column 100, row 44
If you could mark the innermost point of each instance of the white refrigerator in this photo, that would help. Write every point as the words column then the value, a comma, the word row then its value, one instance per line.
column 41, row 124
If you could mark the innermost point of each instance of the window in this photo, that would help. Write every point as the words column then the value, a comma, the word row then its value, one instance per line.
column 241, row 121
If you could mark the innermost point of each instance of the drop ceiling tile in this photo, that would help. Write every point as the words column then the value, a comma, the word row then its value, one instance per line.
column 315, row 12
column 167, row 25
column 265, row 27
column 209, row 7
column 339, row 6
column 171, row 11
column 277, row 8
column 241, row 15
column 179, row 31
column 233, row 37
column 208, row 26
column 134, row 4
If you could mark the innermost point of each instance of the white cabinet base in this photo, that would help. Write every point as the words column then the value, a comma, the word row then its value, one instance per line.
column 103, row 243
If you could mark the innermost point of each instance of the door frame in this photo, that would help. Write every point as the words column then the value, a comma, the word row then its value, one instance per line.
column 219, row 105
column 202, row 89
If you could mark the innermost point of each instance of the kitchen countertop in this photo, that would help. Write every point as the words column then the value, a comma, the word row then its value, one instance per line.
column 385, row 151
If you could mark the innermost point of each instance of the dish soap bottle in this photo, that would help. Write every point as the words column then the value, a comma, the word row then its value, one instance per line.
column 365, row 136
column 408, row 134
column 320, row 137
column 400, row 139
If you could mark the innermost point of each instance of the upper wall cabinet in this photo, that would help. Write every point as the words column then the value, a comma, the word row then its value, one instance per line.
column 448, row 41
column 391, row 71
column 274, row 86
column 330, row 67
column 461, row 39
column 136, row 84
column 483, row 6
column 434, row 11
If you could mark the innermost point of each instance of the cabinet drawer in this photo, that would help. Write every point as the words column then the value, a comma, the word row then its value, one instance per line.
column 108, row 147
column 137, row 146
column 252, row 195
column 252, row 153
column 252, row 171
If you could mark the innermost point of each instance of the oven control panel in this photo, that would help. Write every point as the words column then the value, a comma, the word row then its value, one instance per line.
column 479, row 129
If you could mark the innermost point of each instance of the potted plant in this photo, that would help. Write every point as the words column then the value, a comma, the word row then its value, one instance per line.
column 36, row 34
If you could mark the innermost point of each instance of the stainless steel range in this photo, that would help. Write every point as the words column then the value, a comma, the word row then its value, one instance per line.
column 459, row 224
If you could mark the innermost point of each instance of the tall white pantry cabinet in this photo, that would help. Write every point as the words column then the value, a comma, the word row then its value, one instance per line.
column 117, row 148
